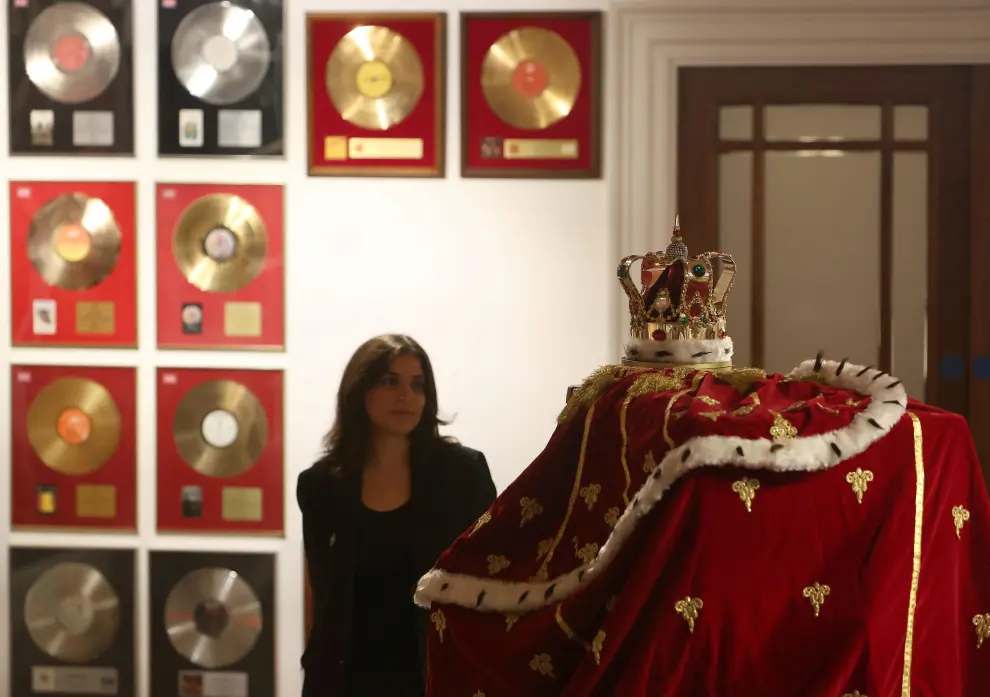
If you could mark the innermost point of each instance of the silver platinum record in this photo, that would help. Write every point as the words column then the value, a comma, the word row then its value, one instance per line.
column 221, row 53
column 71, row 52
column 213, row 617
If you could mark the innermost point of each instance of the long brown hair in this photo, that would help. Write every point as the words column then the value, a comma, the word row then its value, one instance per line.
column 349, row 440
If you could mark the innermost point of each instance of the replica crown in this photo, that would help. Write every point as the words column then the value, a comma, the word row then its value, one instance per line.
column 678, row 317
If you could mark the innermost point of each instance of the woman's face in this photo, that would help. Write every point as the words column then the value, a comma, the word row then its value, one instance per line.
column 395, row 404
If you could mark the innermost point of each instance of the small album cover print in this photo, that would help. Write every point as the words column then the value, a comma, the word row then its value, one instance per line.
column 192, row 318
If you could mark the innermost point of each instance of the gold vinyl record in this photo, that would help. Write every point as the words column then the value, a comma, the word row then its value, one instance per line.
column 531, row 78
column 74, row 242
column 213, row 617
column 374, row 78
column 220, row 428
column 71, row 52
column 72, row 613
column 220, row 243
column 221, row 53
column 73, row 426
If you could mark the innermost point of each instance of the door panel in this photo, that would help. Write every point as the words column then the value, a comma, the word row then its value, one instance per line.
column 843, row 193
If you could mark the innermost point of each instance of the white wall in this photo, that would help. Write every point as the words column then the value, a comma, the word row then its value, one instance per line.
column 505, row 283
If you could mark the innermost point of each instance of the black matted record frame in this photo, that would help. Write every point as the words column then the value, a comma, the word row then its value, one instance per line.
column 189, row 126
column 40, row 125
column 168, row 667
column 29, row 664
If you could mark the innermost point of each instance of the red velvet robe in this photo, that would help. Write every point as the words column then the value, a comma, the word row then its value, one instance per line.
column 727, row 535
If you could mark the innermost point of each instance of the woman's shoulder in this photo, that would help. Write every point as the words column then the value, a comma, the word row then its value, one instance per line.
column 455, row 452
column 318, row 477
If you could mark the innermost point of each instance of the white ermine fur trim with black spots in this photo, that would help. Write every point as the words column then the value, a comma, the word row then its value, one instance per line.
column 678, row 351
column 807, row 454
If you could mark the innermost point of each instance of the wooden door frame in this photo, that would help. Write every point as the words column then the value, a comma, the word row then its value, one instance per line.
column 652, row 40
column 945, row 90
column 979, row 393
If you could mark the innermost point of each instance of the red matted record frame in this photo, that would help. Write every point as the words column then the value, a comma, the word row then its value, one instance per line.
column 41, row 497
column 102, row 316
column 416, row 146
column 191, row 502
column 568, row 149
column 252, row 317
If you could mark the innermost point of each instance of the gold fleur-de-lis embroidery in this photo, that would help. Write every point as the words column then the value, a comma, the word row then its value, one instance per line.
column 850, row 402
column 485, row 517
column 590, row 494
column 959, row 516
column 782, row 429
column 816, row 594
column 440, row 622
column 479, row 693
column 713, row 415
column 541, row 574
column 497, row 563
column 649, row 463
column 746, row 488
column 542, row 664
column 982, row 624
column 587, row 553
column 510, row 620
column 612, row 516
column 689, row 608
column 530, row 509
column 710, row 401
column 543, row 547
column 744, row 410
column 854, row 693
column 796, row 406
column 860, row 481
column 597, row 644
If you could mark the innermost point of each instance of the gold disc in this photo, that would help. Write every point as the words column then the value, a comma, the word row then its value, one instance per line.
column 220, row 428
column 220, row 243
column 71, row 52
column 73, row 426
column 74, row 241
column 72, row 613
column 531, row 78
column 374, row 78
column 213, row 617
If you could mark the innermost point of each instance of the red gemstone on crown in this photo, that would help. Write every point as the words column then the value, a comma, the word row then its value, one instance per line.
column 721, row 334
column 659, row 335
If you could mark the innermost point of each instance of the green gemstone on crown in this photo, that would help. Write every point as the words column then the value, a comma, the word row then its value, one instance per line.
column 698, row 270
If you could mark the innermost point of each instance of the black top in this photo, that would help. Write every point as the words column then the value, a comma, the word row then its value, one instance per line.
column 384, row 648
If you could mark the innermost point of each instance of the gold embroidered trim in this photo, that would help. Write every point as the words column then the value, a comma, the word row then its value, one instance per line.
column 440, row 622
column 625, row 444
column 542, row 664
column 543, row 572
column 530, row 509
column 919, row 518
column 497, row 563
column 860, row 481
column 670, row 406
column 982, row 625
column 543, row 547
column 854, row 693
column 710, row 401
column 510, row 620
column 713, row 415
column 590, row 494
column 612, row 516
column 741, row 379
column 652, row 383
column 479, row 693
column 594, row 387
column 816, row 594
column 594, row 646
column 485, row 517
column 782, row 429
column 959, row 516
column 688, row 608
column 746, row 488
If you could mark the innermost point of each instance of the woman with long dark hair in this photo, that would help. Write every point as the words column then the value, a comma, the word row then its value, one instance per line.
column 387, row 498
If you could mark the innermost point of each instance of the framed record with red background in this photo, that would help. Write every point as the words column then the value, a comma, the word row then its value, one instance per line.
column 531, row 103
column 73, row 275
column 220, row 451
column 73, row 448
column 221, row 275
column 377, row 94
column 220, row 78
column 70, row 77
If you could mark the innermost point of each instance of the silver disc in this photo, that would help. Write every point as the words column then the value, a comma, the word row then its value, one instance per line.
column 71, row 52
column 221, row 53
column 213, row 617
column 72, row 613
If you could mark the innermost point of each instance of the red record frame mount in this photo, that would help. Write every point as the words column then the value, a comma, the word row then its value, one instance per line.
column 104, row 499
column 568, row 149
column 245, row 502
column 100, row 316
column 415, row 147
column 251, row 317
